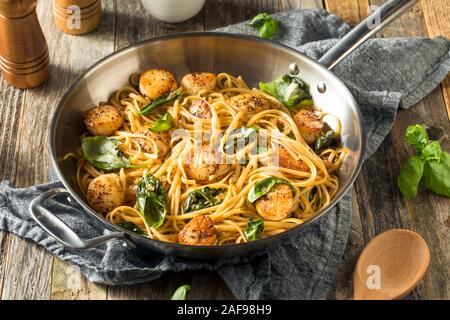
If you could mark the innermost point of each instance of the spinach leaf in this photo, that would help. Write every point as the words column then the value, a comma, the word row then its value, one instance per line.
column 324, row 140
column 432, row 151
column 161, row 100
column 102, row 153
column 163, row 124
column 202, row 198
column 267, row 26
column 181, row 292
column 263, row 187
column 240, row 138
column 417, row 137
column 436, row 175
column 128, row 225
column 151, row 199
column 254, row 229
column 289, row 90
column 410, row 176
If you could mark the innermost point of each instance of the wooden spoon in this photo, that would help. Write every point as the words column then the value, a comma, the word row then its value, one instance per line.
column 391, row 265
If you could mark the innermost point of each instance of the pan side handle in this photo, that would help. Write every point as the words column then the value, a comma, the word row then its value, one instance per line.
column 384, row 15
column 61, row 231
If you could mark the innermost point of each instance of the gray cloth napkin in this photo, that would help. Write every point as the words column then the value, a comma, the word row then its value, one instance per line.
column 383, row 74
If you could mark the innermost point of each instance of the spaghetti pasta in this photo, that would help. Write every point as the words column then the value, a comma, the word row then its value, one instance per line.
column 243, row 147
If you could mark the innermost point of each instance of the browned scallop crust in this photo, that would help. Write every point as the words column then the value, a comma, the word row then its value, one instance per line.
column 103, row 120
column 250, row 103
column 162, row 141
column 277, row 204
column 203, row 162
column 200, row 109
column 309, row 125
column 194, row 82
column 285, row 160
column 105, row 193
column 156, row 82
column 200, row 231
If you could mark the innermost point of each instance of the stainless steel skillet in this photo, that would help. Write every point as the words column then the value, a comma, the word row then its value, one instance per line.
column 252, row 58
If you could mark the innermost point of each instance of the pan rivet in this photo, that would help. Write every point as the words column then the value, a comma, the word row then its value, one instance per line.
column 294, row 69
column 322, row 87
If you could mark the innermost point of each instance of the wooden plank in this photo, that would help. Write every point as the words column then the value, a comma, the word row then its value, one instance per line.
column 352, row 11
column 381, row 205
column 437, row 20
column 27, row 272
column 69, row 284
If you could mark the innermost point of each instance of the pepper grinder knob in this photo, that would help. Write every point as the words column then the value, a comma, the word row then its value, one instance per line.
column 24, row 54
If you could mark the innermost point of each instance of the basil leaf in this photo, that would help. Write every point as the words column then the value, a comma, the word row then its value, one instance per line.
column 161, row 100
column 409, row 178
column 151, row 199
column 267, row 26
column 290, row 91
column 263, row 187
column 202, row 198
column 163, row 124
column 417, row 137
column 181, row 292
column 432, row 151
column 254, row 229
column 436, row 175
column 324, row 140
column 102, row 153
column 130, row 226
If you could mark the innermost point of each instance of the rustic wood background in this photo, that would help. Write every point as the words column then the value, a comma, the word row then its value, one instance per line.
column 29, row 272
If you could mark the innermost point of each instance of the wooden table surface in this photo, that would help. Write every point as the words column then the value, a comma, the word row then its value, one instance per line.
column 28, row 272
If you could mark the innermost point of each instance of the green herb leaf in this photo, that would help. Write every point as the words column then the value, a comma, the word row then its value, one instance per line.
column 268, row 27
column 410, row 176
column 161, row 100
column 181, row 292
column 436, row 175
column 151, row 199
column 163, row 124
column 417, row 137
column 102, row 153
column 263, row 187
column 289, row 90
column 202, row 198
column 324, row 140
column 432, row 151
column 254, row 229
column 130, row 226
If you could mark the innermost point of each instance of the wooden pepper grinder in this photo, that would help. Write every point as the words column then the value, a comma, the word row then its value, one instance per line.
column 24, row 54
column 77, row 16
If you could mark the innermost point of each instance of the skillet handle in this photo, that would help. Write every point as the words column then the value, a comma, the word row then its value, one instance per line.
column 387, row 13
column 61, row 231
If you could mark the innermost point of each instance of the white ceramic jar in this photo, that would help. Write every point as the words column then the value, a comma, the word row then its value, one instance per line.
column 173, row 10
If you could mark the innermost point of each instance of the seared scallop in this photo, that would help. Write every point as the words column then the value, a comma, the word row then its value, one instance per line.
column 105, row 193
column 194, row 82
column 200, row 109
column 250, row 103
column 103, row 120
column 285, row 160
column 162, row 141
column 203, row 162
column 277, row 204
column 309, row 125
column 156, row 82
column 200, row 231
